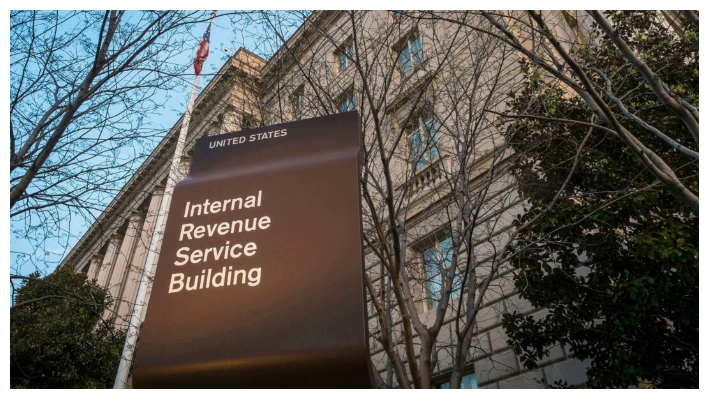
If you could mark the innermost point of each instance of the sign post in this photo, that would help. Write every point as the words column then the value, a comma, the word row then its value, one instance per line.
column 260, row 279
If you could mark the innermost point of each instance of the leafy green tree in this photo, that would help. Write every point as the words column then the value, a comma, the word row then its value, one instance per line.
column 57, row 336
column 616, row 261
column 550, row 40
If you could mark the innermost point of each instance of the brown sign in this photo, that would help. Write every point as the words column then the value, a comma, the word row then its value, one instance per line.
column 260, row 278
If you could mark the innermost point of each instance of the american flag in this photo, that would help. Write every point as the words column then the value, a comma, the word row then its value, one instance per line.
column 202, row 51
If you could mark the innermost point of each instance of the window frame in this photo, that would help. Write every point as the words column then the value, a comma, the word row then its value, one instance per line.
column 465, row 383
column 433, row 268
column 296, row 101
column 396, row 15
column 344, row 55
column 421, row 133
column 409, row 59
column 248, row 121
column 346, row 101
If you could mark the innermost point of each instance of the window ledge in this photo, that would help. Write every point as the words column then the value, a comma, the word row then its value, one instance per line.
column 417, row 73
column 409, row 87
column 430, row 175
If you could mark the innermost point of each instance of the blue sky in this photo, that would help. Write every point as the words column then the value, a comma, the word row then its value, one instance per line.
column 225, row 40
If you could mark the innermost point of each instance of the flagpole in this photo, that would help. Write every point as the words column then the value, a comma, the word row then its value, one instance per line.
column 156, row 240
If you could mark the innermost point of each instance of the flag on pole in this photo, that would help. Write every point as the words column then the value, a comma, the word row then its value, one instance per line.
column 202, row 51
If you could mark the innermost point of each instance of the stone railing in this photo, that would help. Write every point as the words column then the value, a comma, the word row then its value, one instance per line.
column 429, row 176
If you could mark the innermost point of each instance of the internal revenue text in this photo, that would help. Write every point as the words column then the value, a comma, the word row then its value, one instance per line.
column 222, row 252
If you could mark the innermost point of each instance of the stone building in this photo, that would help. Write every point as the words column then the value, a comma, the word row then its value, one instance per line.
column 435, row 162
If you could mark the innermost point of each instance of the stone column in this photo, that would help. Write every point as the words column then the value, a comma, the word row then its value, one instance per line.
column 121, row 267
column 185, row 164
column 130, row 289
column 96, row 260
column 109, row 259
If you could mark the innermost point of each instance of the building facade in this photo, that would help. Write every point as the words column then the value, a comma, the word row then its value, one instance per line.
column 438, row 198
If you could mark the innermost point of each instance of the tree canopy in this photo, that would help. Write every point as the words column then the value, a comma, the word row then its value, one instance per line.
column 550, row 42
column 616, row 261
column 58, row 338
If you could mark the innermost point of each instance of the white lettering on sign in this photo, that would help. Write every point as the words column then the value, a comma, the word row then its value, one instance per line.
column 268, row 135
column 227, row 142
column 251, row 138
column 227, row 251
column 226, row 205
column 193, row 231
column 189, row 231
column 225, row 277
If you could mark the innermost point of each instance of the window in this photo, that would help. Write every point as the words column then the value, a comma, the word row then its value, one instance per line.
column 573, row 23
column 411, row 54
column 295, row 100
column 437, row 260
column 469, row 381
column 346, row 100
column 344, row 55
column 215, row 127
column 676, row 20
column 86, row 268
column 248, row 121
column 423, row 143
